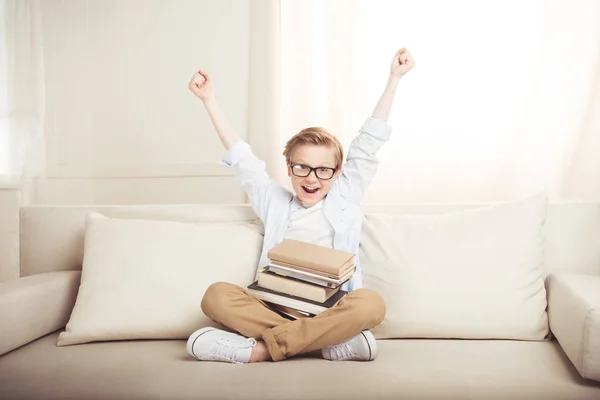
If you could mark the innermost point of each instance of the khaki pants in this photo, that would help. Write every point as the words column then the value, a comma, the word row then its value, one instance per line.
column 232, row 307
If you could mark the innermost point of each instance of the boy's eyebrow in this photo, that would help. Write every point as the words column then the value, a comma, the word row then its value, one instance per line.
column 325, row 164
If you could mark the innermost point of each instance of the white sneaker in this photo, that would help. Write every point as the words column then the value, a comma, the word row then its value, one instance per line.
column 361, row 347
column 212, row 344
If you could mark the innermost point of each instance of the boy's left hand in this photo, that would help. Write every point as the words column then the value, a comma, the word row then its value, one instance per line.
column 402, row 63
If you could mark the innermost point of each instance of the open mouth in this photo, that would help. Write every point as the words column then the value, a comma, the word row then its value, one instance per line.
column 310, row 190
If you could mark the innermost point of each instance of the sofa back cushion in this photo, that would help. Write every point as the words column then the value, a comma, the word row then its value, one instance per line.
column 571, row 231
column 474, row 274
column 144, row 279
column 51, row 237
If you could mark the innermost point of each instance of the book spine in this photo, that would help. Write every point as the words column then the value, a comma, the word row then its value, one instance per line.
column 288, row 302
column 311, row 264
column 303, row 278
column 304, row 269
column 299, row 274
column 280, row 284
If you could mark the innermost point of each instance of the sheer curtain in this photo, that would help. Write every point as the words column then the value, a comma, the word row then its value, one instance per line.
column 22, row 99
column 504, row 101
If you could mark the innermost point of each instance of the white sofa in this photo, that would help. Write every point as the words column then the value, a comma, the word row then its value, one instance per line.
column 35, row 308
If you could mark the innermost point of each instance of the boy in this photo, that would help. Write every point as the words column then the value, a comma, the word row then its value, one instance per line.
column 324, row 210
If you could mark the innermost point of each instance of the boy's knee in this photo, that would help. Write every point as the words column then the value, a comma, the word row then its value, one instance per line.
column 215, row 297
column 371, row 308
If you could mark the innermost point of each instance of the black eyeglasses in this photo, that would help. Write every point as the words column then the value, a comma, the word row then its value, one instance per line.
column 323, row 173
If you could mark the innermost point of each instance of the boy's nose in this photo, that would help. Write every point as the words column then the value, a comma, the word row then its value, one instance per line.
column 312, row 177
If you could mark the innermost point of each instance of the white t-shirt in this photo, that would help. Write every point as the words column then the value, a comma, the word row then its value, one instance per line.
column 309, row 224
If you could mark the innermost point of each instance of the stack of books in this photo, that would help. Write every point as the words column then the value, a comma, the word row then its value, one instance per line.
column 303, row 279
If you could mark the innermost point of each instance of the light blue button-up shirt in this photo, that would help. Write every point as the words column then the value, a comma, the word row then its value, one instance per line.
column 274, row 204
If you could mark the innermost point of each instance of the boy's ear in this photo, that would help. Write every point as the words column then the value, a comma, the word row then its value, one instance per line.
column 289, row 170
column 338, row 172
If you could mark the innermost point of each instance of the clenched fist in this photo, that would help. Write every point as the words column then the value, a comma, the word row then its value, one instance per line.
column 202, row 86
column 402, row 63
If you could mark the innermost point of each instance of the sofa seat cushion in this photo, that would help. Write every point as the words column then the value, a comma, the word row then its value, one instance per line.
column 406, row 368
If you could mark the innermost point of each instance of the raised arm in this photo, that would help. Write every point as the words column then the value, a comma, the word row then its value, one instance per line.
column 401, row 64
column 202, row 86
column 249, row 170
column 361, row 162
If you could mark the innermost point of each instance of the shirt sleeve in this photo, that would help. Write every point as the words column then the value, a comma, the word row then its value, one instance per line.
column 361, row 162
column 251, row 173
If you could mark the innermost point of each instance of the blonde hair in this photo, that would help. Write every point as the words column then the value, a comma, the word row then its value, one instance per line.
column 316, row 136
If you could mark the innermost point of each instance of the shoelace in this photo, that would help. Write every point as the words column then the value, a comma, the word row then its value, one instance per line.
column 227, row 349
column 343, row 351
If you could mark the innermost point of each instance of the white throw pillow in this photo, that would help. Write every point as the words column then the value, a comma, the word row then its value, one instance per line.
column 144, row 279
column 474, row 274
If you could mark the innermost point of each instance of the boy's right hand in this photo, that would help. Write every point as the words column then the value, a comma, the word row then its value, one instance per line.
column 201, row 85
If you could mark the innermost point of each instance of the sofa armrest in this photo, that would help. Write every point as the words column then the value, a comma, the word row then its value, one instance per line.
column 574, row 314
column 34, row 306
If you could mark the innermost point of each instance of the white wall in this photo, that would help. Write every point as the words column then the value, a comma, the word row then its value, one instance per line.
column 121, row 126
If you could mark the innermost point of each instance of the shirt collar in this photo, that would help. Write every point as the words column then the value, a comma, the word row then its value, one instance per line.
column 297, row 204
